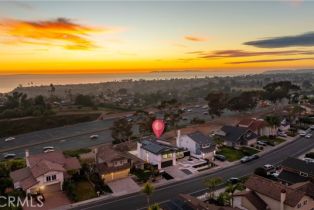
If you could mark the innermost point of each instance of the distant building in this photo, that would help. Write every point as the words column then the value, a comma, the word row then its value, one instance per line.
column 43, row 171
column 198, row 144
column 266, row 194
column 158, row 153
column 295, row 171
column 237, row 136
column 258, row 126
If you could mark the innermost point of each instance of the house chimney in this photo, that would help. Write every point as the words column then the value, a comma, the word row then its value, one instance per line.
column 26, row 157
column 178, row 138
column 282, row 199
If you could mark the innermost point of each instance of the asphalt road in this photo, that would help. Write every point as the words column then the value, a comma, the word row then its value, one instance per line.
column 76, row 136
column 195, row 185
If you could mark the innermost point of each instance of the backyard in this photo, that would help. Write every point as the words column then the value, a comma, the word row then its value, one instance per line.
column 233, row 154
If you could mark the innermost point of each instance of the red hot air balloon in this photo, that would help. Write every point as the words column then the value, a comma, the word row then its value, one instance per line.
column 158, row 127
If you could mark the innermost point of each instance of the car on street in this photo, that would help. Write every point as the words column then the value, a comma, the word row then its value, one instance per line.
column 94, row 136
column 312, row 127
column 308, row 136
column 308, row 160
column 48, row 149
column 220, row 157
column 303, row 134
column 262, row 143
column 254, row 157
column 245, row 159
column 9, row 156
column 233, row 180
column 9, row 139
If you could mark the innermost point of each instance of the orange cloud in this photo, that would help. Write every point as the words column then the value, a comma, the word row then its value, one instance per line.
column 58, row 32
column 195, row 38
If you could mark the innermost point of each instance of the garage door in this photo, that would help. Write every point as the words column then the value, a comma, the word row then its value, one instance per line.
column 166, row 163
column 52, row 188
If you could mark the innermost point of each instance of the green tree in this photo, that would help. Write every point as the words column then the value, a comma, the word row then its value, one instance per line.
column 260, row 172
column 154, row 207
column 217, row 102
column 121, row 130
column 244, row 102
column 84, row 100
column 144, row 121
column 274, row 122
column 172, row 112
column 278, row 90
column 148, row 189
column 211, row 184
column 232, row 188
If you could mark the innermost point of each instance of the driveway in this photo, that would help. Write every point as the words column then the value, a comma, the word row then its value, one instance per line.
column 123, row 186
column 54, row 198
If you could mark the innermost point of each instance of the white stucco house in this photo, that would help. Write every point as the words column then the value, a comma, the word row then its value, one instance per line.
column 199, row 145
column 157, row 153
column 44, row 170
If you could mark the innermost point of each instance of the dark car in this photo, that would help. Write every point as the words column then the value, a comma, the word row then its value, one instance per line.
column 233, row 180
column 220, row 157
column 254, row 157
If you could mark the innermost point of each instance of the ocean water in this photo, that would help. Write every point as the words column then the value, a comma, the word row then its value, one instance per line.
column 9, row 82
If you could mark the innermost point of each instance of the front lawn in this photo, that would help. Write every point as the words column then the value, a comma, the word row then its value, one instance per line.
column 271, row 141
column 233, row 154
column 84, row 191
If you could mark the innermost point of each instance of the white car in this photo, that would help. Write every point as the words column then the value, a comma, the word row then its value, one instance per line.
column 282, row 134
column 312, row 127
column 308, row 160
column 48, row 149
column 94, row 136
column 9, row 155
column 9, row 139
column 302, row 134
column 268, row 167
column 274, row 174
column 308, row 136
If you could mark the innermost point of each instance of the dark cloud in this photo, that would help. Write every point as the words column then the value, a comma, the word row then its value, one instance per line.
column 302, row 40
column 270, row 60
column 243, row 53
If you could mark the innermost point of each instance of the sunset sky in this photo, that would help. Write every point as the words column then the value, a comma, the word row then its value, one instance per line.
column 119, row 37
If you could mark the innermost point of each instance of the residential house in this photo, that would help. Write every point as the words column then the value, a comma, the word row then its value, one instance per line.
column 199, row 145
column 295, row 171
column 266, row 194
column 43, row 171
column 188, row 202
column 158, row 153
column 111, row 164
column 258, row 126
column 237, row 136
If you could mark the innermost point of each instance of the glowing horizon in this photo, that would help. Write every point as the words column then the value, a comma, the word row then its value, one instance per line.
column 138, row 37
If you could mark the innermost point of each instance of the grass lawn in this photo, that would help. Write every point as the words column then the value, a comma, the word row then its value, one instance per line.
column 272, row 141
column 233, row 154
column 84, row 191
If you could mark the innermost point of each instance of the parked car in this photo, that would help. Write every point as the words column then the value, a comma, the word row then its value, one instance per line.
column 308, row 160
column 262, row 143
column 94, row 136
column 308, row 136
column 9, row 139
column 274, row 174
column 48, row 149
column 282, row 134
column 312, row 127
column 254, row 157
column 268, row 167
column 220, row 157
column 9, row 156
column 245, row 159
column 233, row 180
column 303, row 134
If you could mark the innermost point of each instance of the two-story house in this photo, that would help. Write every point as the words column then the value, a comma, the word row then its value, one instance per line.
column 43, row 171
column 199, row 145
column 266, row 194
column 258, row 126
column 237, row 136
column 295, row 170
column 111, row 164
column 158, row 153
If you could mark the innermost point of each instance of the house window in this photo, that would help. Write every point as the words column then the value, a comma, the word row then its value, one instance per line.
column 164, row 156
column 51, row 178
column 169, row 155
column 303, row 174
column 299, row 205
column 305, row 202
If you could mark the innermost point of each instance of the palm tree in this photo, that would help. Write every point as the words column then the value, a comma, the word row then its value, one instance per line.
column 154, row 207
column 231, row 188
column 148, row 189
column 273, row 121
column 211, row 184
